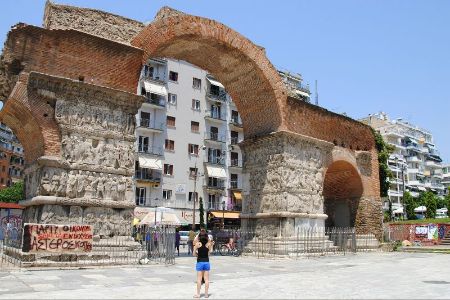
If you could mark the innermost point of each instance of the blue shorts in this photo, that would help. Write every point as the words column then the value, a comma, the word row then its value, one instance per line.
column 203, row 266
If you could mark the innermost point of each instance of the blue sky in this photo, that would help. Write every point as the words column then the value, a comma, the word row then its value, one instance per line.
column 368, row 56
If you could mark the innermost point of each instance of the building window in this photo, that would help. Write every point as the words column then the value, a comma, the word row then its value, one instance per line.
column 2, row 181
column 214, row 133
column 235, row 117
column 195, row 126
column 234, row 137
column 168, row 169
column 193, row 149
column 145, row 119
column 167, row 194
column 193, row 196
column 192, row 172
column 234, row 159
column 172, row 99
column 170, row 145
column 173, row 76
column 213, row 201
column 234, row 181
column 170, row 121
column 140, row 196
column 3, row 169
column 196, row 83
column 143, row 144
column 196, row 104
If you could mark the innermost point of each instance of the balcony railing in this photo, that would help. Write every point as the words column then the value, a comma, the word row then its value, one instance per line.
column 145, row 123
column 147, row 176
column 215, row 160
column 215, row 115
column 156, row 101
column 218, row 185
column 236, row 163
column 236, row 122
column 221, row 96
column 214, row 136
column 154, row 78
column 152, row 202
column 235, row 140
column 150, row 150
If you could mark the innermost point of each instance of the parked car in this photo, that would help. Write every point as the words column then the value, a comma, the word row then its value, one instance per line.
column 184, row 236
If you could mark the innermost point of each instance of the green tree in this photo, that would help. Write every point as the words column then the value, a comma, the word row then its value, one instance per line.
column 410, row 203
column 384, row 151
column 201, row 211
column 447, row 200
column 429, row 200
column 442, row 202
column 14, row 193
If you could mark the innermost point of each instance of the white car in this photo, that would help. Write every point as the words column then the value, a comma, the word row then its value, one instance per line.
column 184, row 236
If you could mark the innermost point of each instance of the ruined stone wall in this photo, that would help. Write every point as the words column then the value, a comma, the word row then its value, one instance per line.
column 92, row 21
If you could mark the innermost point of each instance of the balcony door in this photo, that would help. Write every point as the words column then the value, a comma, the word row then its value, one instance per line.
column 140, row 196
column 143, row 144
column 214, row 133
column 214, row 156
column 215, row 111
column 145, row 119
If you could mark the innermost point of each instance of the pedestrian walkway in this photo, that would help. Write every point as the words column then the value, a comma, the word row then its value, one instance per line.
column 361, row 276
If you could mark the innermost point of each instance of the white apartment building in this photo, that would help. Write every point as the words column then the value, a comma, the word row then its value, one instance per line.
column 415, row 163
column 187, row 141
column 446, row 177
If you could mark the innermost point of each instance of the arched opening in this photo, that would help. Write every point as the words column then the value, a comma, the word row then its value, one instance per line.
column 241, row 66
column 342, row 190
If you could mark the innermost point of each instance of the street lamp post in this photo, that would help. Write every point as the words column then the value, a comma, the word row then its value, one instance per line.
column 195, row 189
column 156, row 206
column 223, row 214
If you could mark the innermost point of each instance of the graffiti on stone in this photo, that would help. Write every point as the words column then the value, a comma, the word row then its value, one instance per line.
column 38, row 238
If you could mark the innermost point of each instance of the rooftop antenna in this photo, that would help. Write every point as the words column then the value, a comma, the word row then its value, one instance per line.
column 317, row 95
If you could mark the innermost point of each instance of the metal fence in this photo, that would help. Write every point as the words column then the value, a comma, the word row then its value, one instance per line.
column 138, row 246
column 303, row 242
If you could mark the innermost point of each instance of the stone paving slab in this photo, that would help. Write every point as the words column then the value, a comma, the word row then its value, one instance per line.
column 366, row 275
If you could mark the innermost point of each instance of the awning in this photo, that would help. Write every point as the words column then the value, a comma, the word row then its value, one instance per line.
column 150, row 163
column 302, row 93
column 237, row 195
column 216, row 172
column 226, row 215
column 155, row 88
column 214, row 82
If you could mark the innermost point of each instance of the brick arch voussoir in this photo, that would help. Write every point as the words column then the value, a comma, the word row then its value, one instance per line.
column 31, row 119
column 342, row 179
column 243, row 68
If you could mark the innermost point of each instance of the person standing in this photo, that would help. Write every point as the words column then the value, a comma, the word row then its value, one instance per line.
column 202, row 249
column 190, row 242
column 177, row 241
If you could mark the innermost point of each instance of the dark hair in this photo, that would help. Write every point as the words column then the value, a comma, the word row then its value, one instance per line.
column 203, row 238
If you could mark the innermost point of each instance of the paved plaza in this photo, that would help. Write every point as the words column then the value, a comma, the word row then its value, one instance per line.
column 366, row 275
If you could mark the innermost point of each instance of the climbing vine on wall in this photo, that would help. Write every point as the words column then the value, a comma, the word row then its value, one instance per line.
column 384, row 150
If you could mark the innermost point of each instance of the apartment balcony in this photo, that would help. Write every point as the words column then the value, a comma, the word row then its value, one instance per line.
column 154, row 78
column 433, row 164
column 146, row 126
column 152, row 102
column 145, row 176
column 413, row 159
column 157, row 151
column 236, row 163
column 149, row 202
column 215, row 160
column 394, row 193
column 414, row 183
column 215, row 206
column 215, row 116
column 236, row 123
column 214, row 137
column 235, row 140
column 413, row 170
column 413, row 147
column 221, row 96
column 215, row 187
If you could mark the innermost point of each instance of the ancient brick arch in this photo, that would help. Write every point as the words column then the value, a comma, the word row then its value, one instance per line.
column 342, row 190
column 75, row 94
column 240, row 65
